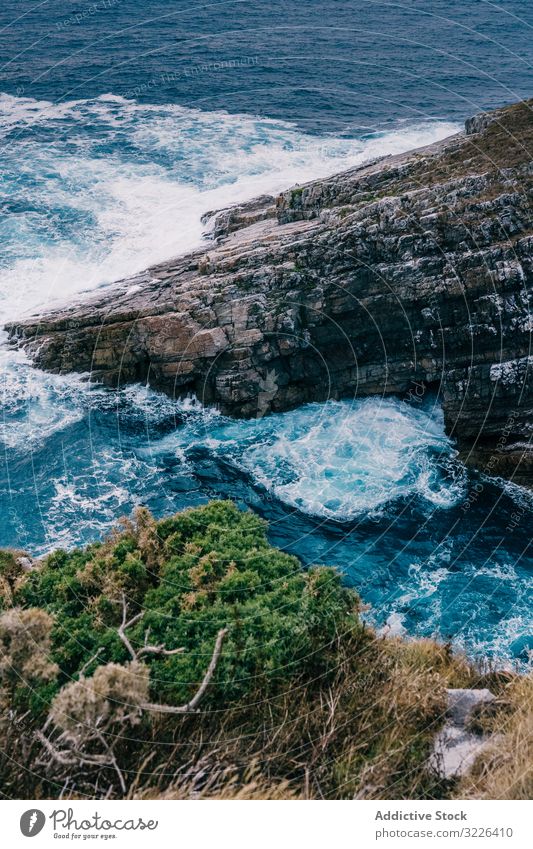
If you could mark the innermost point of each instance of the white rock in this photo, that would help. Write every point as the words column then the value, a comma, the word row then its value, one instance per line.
column 455, row 748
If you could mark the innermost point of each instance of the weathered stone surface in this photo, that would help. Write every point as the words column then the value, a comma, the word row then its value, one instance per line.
column 413, row 269
column 456, row 747
column 225, row 221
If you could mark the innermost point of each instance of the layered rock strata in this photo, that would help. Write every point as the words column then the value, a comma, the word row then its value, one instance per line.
column 411, row 273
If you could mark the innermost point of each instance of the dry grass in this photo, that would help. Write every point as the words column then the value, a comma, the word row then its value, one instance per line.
column 231, row 787
column 356, row 717
column 366, row 734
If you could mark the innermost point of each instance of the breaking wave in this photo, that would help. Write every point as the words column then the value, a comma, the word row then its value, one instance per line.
column 95, row 190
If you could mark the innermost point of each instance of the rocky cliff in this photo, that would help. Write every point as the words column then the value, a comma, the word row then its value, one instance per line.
column 412, row 272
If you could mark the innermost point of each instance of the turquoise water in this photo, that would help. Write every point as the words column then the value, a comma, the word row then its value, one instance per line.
column 104, row 172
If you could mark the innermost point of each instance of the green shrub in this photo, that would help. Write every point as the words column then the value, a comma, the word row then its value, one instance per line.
column 304, row 699
column 210, row 568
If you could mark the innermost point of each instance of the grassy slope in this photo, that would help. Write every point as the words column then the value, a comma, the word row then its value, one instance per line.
column 306, row 701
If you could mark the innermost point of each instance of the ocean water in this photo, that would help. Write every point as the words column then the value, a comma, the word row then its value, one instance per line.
column 341, row 66
column 119, row 129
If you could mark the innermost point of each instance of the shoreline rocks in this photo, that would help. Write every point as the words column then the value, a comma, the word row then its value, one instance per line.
column 456, row 746
column 415, row 269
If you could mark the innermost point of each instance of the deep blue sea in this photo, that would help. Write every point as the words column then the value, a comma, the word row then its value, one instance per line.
column 122, row 122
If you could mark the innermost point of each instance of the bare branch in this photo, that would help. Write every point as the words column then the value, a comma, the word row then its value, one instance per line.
column 146, row 649
column 88, row 663
column 192, row 705
column 70, row 758
column 113, row 760
column 127, row 624
column 210, row 670
column 60, row 757
column 160, row 649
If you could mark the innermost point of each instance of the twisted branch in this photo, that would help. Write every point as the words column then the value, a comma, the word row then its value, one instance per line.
column 127, row 624
column 146, row 649
column 192, row 705
column 71, row 758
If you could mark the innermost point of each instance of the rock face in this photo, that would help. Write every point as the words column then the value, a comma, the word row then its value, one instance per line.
column 412, row 272
column 456, row 747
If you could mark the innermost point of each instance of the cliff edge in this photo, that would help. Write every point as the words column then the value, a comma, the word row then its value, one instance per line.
column 414, row 269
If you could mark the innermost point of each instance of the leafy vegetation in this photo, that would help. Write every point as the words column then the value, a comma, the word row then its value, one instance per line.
column 296, row 196
column 189, row 657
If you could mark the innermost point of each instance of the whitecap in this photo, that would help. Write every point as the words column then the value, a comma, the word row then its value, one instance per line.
column 337, row 460
column 104, row 188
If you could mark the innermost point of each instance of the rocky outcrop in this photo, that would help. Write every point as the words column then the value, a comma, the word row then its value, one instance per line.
column 415, row 269
column 457, row 745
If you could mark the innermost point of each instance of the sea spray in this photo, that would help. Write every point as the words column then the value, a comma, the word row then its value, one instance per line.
column 97, row 190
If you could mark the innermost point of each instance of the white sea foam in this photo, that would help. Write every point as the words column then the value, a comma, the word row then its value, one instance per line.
column 108, row 186
column 97, row 190
column 498, row 641
column 85, row 504
column 35, row 405
column 337, row 460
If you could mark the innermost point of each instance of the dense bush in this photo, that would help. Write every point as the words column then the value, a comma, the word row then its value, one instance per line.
column 104, row 648
column 191, row 575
